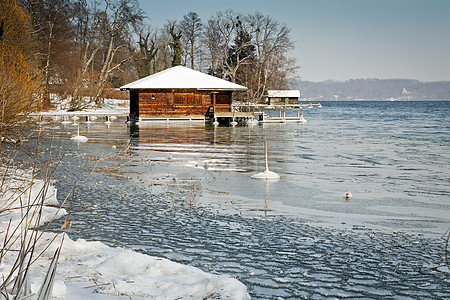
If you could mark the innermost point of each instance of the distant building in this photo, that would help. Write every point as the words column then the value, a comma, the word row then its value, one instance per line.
column 278, row 97
column 179, row 93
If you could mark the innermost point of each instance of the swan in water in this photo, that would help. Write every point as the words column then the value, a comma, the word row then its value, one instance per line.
column 78, row 137
column 65, row 121
column 266, row 174
column 252, row 122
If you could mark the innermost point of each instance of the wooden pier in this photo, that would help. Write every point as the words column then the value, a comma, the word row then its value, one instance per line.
column 221, row 113
column 85, row 114
column 246, row 112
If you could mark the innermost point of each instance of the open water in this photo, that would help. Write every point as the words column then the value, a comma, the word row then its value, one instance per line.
column 184, row 192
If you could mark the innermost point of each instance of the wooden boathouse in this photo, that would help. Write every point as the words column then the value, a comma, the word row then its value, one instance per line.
column 282, row 97
column 180, row 94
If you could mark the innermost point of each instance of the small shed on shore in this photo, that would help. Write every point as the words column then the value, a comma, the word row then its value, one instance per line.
column 279, row 97
column 179, row 93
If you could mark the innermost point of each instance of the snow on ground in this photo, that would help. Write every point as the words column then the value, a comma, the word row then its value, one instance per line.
column 93, row 270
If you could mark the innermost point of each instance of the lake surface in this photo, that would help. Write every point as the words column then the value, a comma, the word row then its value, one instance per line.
column 185, row 192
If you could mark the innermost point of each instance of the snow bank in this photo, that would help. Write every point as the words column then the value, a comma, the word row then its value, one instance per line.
column 18, row 190
column 93, row 270
column 119, row 271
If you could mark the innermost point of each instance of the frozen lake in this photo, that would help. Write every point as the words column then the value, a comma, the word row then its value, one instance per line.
column 184, row 192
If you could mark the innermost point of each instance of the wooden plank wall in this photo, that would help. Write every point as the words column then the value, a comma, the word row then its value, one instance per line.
column 178, row 102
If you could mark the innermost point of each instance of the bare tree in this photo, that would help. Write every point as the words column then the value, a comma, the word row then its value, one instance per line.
column 146, row 52
column 89, row 42
column 191, row 27
column 117, row 18
column 273, row 44
column 221, row 31
column 53, row 31
column 219, row 35
column 101, row 36
column 164, row 56
column 175, row 33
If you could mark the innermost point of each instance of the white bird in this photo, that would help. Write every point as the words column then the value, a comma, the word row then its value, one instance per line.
column 112, row 118
column 252, row 122
column 266, row 174
column 215, row 123
column 78, row 137
column 65, row 121
column 233, row 123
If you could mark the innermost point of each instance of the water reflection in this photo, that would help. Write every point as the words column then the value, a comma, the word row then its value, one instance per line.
column 158, row 133
column 196, row 145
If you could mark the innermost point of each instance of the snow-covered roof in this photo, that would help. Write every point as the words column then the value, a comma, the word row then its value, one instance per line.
column 283, row 93
column 180, row 77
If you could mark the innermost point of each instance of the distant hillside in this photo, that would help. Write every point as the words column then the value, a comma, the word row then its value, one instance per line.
column 375, row 89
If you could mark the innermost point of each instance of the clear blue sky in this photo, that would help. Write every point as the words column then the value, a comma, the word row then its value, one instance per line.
column 345, row 39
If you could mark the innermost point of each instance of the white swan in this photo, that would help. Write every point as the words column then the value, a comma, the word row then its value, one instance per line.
column 252, row 122
column 65, row 121
column 266, row 174
column 78, row 137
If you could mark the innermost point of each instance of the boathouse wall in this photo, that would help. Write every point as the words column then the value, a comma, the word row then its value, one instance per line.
column 176, row 102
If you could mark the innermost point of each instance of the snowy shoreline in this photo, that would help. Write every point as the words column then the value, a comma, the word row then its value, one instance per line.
column 89, row 269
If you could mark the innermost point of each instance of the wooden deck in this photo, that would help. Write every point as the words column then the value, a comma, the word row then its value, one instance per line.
column 236, row 114
column 222, row 113
column 243, row 112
